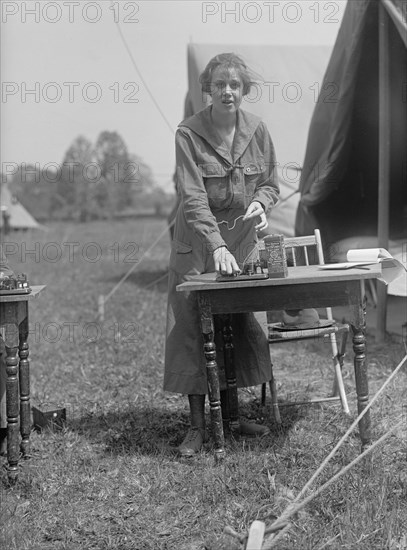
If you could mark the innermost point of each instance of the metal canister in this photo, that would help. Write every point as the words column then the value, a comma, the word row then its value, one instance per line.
column 276, row 256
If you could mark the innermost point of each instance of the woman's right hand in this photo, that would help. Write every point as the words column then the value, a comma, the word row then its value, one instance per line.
column 225, row 262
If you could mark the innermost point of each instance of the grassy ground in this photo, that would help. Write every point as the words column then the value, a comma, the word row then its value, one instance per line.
column 111, row 478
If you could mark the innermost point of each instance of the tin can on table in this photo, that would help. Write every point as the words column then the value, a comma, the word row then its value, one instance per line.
column 276, row 256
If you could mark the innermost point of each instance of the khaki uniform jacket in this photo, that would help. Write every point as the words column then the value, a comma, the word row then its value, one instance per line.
column 216, row 186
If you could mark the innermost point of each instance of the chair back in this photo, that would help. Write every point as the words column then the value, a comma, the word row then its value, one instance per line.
column 304, row 250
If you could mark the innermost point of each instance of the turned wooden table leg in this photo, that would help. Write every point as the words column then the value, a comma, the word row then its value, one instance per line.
column 24, row 372
column 230, row 374
column 361, row 379
column 213, row 376
column 12, row 401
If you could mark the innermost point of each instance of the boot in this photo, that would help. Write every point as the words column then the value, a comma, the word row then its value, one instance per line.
column 196, row 434
column 252, row 429
column 245, row 428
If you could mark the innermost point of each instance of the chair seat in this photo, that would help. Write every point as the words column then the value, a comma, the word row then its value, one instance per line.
column 276, row 334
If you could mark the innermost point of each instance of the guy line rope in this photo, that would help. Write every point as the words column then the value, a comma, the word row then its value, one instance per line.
column 103, row 299
column 282, row 524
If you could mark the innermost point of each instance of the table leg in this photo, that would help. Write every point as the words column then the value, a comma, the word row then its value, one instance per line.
column 24, row 373
column 12, row 409
column 361, row 379
column 213, row 376
column 230, row 374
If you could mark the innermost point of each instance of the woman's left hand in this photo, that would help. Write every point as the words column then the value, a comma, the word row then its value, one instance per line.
column 256, row 209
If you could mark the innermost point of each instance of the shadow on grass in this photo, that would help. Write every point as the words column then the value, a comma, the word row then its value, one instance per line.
column 147, row 279
column 153, row 431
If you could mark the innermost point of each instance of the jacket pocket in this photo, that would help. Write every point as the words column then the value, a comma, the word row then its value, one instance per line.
column 217, row 184
column 181, row 259
column 253, row 174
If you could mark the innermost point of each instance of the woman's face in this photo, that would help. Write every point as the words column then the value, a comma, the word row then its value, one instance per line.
column 227, row 90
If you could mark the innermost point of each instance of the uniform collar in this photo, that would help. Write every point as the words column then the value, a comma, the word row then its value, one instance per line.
column 246, row 125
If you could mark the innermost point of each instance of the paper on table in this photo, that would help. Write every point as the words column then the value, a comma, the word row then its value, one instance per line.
column 370, row 255
column 391, row 268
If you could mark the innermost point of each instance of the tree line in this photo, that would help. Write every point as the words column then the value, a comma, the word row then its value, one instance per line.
column 93, row 181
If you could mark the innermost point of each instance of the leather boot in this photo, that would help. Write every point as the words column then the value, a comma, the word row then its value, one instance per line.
column 196, row 434
column 253, row 430
column 245, row 428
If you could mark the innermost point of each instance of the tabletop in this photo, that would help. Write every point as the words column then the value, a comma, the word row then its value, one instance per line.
column 35, row 291
column 296, row 275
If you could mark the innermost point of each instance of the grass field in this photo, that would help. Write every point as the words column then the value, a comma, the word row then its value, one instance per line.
column 111, row 478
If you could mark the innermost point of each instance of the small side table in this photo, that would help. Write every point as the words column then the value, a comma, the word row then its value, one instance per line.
column 14, row 327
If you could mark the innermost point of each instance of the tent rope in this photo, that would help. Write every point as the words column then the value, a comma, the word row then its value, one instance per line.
column 294, row 507
column 156, row 281
column 281, row 201
column 133, row 61
column 126, row 275
column 350, row 429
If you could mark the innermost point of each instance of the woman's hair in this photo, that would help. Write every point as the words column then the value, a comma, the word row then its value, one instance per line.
column 227, row 61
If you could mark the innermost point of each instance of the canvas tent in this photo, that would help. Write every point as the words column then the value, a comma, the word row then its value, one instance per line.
column 19, row 217
column 284, row 97
column 345, row 162
column 353, row 184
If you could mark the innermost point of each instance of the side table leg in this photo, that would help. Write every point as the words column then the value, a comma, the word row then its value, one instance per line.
column 24, row 372
column 362, row 387
column 12, row 411
column 230, row 375
column 213, row 376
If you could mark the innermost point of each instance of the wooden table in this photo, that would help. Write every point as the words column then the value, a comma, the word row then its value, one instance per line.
column 14, row 328
column 305, row 287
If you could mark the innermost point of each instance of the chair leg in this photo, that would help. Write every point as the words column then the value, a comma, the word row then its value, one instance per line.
column 224, row 405
column 373, row 292
column 338, row 388
column 263, row 394
column 273, row 393
column 274, row 401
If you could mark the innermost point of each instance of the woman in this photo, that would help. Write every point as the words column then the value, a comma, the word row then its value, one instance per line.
column 227, row 181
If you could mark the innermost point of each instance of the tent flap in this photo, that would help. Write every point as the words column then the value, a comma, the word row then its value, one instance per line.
column 339, row 181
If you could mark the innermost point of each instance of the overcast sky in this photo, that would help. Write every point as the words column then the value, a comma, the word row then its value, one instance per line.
column 65, row 70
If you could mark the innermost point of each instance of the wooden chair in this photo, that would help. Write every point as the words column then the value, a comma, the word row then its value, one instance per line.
column 306, row 251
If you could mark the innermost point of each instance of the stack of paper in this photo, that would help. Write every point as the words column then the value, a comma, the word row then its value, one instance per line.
column 392, row 269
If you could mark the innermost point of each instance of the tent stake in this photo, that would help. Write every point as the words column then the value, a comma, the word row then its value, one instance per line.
column 101, row 308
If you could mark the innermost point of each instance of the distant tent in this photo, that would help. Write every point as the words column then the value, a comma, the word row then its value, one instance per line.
column 340, row 178
column 19, row 217
column 284, row 97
